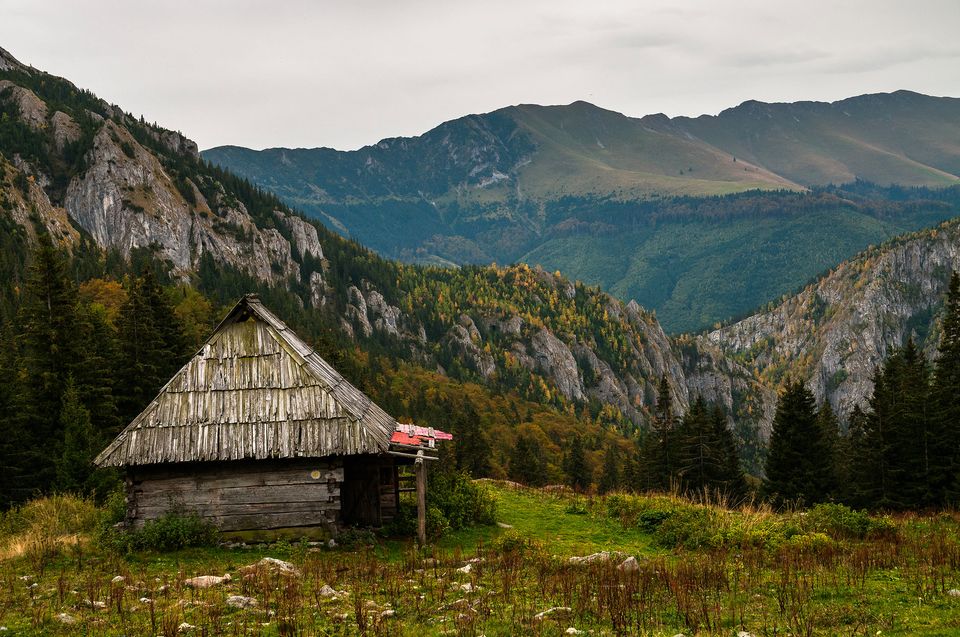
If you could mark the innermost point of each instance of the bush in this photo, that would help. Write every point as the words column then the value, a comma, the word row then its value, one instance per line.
column 172, row 531
column 514, row 542
column 454, row 501
column 842, row 522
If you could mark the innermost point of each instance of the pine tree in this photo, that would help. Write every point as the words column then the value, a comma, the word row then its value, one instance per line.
column 730, row 480
column 945, row 394
column 80, row 443
column 610, row 473
column 829, row 428
column 575, row 465
column 471, row 443
column 527, row 462
column 798, row 468
column 151, row 343
column 51, row 353
column 697, row 461
column 660, row 447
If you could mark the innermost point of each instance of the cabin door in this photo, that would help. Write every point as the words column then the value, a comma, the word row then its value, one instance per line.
column 360, row 495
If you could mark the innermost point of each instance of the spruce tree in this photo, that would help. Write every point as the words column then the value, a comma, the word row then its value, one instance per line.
column 50, row 353
column 697, row 460
column 798, row 467
column 660, row 447
column 730, row 480
column 610, row 472
column 945, row 394
column 470, row 443
column 829, row 427
column 528, row 464
column 575, row 465
column 151, row 343
column 80, row 443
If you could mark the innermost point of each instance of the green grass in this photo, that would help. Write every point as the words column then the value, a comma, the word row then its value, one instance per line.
column 828, row 572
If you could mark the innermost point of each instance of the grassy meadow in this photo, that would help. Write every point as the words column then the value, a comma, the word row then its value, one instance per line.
column 698, row 569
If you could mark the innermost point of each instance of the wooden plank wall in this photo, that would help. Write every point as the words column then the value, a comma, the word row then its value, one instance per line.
column 243, row 495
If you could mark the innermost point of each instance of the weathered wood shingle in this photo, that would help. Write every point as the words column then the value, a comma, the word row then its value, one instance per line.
column 254, row 390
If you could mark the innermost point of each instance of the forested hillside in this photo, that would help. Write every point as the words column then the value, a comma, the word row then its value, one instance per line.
column 123, row 248
column 742, row 202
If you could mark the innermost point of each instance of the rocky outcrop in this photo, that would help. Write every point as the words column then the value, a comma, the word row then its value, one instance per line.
column 33, row 110
column 303, row 235
column 65, row 130
column 553, row 358
column 837, row 331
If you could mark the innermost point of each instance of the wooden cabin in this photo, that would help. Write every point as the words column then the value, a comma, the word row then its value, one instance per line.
column 257, row 433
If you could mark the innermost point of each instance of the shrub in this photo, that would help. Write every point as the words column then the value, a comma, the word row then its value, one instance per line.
column 514, row 542
column 842, row 522
column 690, row 528
column 454, row 501
column 172, row 531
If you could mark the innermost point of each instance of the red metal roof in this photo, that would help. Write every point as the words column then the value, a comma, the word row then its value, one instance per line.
column 415, row 436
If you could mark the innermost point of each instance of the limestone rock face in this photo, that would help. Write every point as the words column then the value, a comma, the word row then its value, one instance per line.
column 837, row 330
column 464, row 344
column 554, row 359
column 65, row 130
column 304, row 235
column 33, row 110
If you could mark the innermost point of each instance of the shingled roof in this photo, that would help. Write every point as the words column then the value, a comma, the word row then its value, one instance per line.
column 254, row 390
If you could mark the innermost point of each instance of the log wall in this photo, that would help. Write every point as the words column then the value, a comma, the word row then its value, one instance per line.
column 240, row 496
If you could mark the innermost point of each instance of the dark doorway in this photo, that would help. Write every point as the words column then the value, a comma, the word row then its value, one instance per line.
column 360, row 495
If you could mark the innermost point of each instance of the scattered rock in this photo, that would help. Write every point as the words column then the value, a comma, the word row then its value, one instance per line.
column 574, row 631
column 629, row 565
column 239, row 601
column 465, row 569
column 206, row 581
column 272, row 565
column 744, row 633
column 467, row 588
column 185, row 627
column 65, row 618
column 504, row 525
column 95, row 605
column 388, row 613
column 117, row 580
column 953, row 592
column 602, row 556
column 332, row 543
column 552, row 612
column 327, row 591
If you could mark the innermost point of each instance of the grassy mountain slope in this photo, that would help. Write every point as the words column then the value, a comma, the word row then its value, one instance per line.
column 518, row 184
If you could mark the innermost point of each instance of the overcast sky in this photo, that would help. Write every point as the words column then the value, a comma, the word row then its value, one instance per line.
column 307, row 73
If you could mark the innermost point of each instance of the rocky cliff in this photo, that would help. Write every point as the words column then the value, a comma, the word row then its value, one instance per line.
column 836, row 331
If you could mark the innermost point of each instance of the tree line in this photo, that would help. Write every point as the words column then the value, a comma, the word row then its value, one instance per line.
column 901, row 453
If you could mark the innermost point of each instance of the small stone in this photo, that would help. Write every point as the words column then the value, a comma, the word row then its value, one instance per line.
column 573, row 631
column 465, row 569
column 145, row 600
column 556, row 610
column 63, row 618
column 504, row 525
column 332, row 543
column 744, row 633
column 629, row 565
column 239, row 601
column 206, row 581
column 117, row 580
column 953, row 592
column 185, row 627
column 388, row 613
column 327, row 591
column 467, row 588
column 602, row 556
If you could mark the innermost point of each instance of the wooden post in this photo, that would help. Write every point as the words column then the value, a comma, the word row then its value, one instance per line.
column 421, row 470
